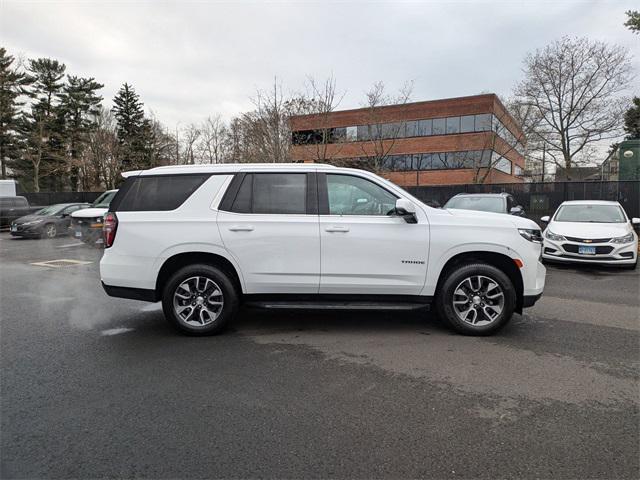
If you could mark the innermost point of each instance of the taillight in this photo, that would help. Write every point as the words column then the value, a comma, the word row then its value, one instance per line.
column 109, row 228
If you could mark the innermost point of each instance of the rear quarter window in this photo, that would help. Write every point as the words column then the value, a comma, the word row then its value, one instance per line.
column 158, row 193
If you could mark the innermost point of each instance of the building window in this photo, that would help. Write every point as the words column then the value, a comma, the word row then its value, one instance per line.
column 483, row 122
column 500, row 163
column 453, row 125
column 517, row 170
column 424, row 128
column 467, row 124
column 439, row 126
column 352, row 134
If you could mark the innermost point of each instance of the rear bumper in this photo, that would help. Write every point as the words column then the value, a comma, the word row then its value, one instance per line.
column 142, row 294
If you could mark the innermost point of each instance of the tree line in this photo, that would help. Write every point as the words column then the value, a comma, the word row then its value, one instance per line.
column 57, row 133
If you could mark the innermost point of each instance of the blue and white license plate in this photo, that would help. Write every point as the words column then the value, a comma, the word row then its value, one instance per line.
column 587, row 250
column 78, row 234
column 14, row 228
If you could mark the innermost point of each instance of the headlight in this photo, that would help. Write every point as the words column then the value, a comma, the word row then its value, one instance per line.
column 531, row 234
column 626, row 239
column 34, row 222
column 553, row 236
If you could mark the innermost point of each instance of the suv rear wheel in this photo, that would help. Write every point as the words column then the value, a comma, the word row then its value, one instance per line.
column 476, row 299
column 199, row 300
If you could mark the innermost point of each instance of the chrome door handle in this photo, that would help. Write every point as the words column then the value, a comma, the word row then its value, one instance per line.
column 336, row 229
column 241, row 228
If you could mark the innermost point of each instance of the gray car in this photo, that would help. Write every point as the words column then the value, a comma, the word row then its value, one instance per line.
column 48, row 222
column 486, row 202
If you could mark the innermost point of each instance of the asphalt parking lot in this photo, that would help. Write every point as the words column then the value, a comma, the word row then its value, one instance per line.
column 99, row 387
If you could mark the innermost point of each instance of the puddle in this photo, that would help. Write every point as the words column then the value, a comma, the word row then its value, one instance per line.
column 152, row 307
column 115, row 331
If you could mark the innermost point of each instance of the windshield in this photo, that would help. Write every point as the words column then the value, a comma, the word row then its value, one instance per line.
column 50, row 210
column 591, row 214
column 104, row 200
column 484, row 204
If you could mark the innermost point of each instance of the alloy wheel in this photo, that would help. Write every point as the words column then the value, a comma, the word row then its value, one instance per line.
column 198, row 301
column 478, row 300
column 50, row 230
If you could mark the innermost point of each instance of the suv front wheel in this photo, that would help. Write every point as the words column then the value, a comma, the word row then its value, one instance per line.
column 476, row 299
column 199, row 300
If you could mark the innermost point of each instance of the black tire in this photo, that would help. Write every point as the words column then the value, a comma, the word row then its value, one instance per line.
column 49, row 230
column 445, row 296
column 229, row 296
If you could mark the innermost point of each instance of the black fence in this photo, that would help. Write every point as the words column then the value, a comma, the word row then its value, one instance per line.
column 50, row 198
column 539, row 199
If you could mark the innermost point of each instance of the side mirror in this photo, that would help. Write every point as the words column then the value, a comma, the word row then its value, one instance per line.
column 545, row 219
column 406, row 210
column 517, row 210
column 635, row 221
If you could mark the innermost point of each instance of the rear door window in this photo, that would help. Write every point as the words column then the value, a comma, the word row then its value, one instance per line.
column 272, row 193
column 159, row 193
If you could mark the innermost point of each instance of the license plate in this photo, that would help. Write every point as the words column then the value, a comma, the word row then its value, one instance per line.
column 587, row 250
column 78, row 234
column 14, row 228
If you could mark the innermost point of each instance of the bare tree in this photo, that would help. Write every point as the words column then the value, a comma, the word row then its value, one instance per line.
column 381, row 135
column 323, row 99
column 503, row 142
column 102, row 159
column 190, row 134
column 213, row 140
column 268, row 125
column 574, row 86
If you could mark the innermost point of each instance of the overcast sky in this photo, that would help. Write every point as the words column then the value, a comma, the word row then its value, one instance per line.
column 191, row 59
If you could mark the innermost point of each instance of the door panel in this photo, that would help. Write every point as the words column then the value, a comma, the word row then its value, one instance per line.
column 277, row 252
column 364, row 250
column 372, row 255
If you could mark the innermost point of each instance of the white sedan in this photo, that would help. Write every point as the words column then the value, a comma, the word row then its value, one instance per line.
column 590, row 231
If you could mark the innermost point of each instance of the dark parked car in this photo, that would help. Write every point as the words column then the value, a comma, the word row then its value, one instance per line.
column 48, row 222
column 486, row 202
column 12, row 208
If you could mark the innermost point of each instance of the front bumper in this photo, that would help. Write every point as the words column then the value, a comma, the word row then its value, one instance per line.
column 18, row 230
column 606, row 253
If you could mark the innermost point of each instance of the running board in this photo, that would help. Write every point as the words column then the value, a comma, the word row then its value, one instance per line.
column 327, row 305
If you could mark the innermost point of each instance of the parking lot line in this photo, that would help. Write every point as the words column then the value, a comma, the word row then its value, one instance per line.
column 70, row 245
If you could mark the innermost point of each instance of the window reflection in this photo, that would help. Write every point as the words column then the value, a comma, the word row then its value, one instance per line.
column 483, row 122
column 439, row 126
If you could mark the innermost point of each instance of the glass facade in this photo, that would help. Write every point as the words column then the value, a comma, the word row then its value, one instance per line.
column 483, row 122
column 440, row 161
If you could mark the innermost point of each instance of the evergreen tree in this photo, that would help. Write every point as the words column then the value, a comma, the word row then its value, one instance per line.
column 12, row 86
column 129, row 113
column 632, row 120
column 42, row 128
column 80, row 104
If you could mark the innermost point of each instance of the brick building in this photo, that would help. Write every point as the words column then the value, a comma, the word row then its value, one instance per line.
column 449, row 141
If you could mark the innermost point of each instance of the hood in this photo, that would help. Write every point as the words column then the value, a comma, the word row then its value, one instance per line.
column 30, row 218
column 491, row 218
column 590, row 230
column 89, row 213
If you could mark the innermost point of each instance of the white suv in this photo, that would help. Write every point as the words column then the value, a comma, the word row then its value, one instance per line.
column 205, row 239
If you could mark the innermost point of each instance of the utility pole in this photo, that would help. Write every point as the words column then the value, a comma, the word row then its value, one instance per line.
column 177, row 146
column 544, row 151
